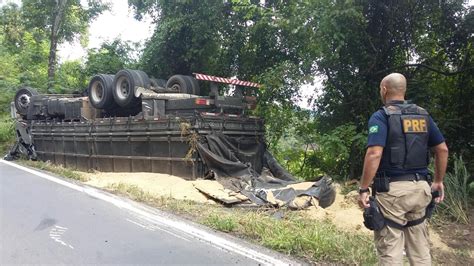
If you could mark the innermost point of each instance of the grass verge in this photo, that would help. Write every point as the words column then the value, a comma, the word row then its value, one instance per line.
column 292, row 233
column 59, row 170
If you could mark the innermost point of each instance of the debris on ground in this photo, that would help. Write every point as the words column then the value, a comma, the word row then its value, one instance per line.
column 294, row 196
column 248, row 168
column 216, row 191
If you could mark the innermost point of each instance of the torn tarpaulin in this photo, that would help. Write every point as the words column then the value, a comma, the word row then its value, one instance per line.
column 243, row 164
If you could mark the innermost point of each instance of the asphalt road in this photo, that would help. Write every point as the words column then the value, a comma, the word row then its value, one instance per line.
column 43, row 222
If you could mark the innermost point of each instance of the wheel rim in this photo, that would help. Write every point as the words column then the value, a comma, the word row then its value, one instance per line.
column 123, row 88
column 176, row 87
column 24, row 100
column 97, row 92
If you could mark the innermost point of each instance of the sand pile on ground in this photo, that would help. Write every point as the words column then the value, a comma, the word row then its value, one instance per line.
column 346, row 215
column 153, row 183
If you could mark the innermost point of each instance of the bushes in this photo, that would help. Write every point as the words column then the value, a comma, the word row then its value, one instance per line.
column 7, row 134
column 307, row 154
column 456, row 200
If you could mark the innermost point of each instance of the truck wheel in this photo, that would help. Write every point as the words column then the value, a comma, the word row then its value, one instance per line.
column 125, row 82
column 180, row 84
column 194, row 85
column 100, row 91
column 23, row 99
column 158, row 83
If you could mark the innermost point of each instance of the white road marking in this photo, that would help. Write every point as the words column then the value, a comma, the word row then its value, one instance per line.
column 60, row 227
column 153, row 228
column 202, row 235
column 173, row 234
column 55, row 234
column 153, row 224
column 139, row 224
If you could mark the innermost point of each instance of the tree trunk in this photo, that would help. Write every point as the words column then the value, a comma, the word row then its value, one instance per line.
column 52, row 62
column 55, row 26
column 304, row 159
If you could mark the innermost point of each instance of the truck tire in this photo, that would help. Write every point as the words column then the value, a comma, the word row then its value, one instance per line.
column 125, row 82
column 158, row 83
column 23, row 99
column 100, row 91
column 194, row 85
column 180, row 83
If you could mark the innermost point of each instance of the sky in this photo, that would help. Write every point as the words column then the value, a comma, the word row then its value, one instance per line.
column 116, row 23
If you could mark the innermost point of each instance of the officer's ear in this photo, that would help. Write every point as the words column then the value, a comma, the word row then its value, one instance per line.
column 383, row 93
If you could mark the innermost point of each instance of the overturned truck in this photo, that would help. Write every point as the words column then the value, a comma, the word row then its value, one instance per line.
column 129, row 122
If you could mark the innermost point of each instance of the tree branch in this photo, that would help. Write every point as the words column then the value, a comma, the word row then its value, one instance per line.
column 446, row 73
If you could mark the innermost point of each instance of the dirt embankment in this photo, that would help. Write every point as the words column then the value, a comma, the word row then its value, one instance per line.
column 344, row 212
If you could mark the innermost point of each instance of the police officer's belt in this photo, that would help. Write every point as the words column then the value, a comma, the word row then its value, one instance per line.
column 409, row 177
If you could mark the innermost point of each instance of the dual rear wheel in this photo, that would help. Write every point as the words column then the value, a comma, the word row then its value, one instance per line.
column 111, row 91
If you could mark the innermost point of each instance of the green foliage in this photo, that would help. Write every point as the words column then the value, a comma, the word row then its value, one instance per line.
column 335, row 151
column 25, row 45
column 355, row 43
column 361, row 41
column 318, row 240
column 22, row 56
column 63, row 20
column 39, row 16
column 307, row 153
column 455, row 206
column 7, row 134
column 71, row 77
column 222, row 223
column 186, row 39
column 134, row 192
column 110, row 58
column 7, row 129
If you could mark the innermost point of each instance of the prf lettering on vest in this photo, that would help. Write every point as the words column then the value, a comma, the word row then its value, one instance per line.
column 414, row 125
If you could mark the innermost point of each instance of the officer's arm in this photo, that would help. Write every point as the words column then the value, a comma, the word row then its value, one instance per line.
column 371, row 164
column 441, row 161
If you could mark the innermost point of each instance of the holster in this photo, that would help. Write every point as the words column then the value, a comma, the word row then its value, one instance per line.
column 381, row 183
column 430, row 208
column 373, row 219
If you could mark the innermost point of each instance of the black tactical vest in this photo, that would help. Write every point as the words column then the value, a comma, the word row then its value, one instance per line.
column 407, row 139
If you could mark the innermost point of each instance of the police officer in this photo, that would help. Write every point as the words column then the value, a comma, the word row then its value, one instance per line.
column 400, row 137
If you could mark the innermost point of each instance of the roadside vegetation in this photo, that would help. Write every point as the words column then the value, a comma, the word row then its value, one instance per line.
column 289, row 232
column 455, row 207
column 55, row 169
column 7, row 134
